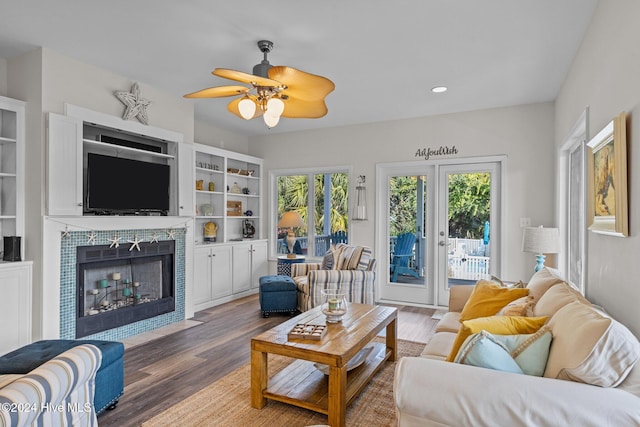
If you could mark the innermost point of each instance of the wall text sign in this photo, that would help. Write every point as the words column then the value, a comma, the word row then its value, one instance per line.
column 427, row 153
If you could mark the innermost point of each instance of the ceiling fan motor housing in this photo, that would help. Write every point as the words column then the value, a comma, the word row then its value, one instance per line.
column 262, row 69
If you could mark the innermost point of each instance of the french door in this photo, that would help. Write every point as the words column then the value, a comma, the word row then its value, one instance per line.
column 437, row 225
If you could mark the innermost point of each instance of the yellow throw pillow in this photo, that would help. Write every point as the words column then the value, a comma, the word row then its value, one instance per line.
column 488, row 298
column 501, row 325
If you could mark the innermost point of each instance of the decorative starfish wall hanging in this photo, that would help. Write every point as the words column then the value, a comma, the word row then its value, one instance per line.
column 92, row 238
column 136, row 105
column 114, row 242
column 135, row 243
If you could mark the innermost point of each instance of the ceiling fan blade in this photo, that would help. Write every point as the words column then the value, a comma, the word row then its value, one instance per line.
column 233, row 108
column 295, row 108
column 218, row 92
column 244, row 77
column 302, row 85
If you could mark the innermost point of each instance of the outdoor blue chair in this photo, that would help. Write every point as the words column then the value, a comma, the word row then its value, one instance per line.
column 402, row 252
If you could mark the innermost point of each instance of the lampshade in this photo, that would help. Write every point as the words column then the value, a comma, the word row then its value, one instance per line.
column 291, row 219
column 540, row 240
column 275, row 107
column 270, row 121
column 247, row 108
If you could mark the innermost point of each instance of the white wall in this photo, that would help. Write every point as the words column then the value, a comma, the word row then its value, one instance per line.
column 205, row 133
column 523, row 133
column 605, row 76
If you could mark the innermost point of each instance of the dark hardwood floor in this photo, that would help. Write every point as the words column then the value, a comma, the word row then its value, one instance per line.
column 162, row 372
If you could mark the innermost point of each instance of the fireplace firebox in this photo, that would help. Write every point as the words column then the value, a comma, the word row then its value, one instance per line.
column 119, row 286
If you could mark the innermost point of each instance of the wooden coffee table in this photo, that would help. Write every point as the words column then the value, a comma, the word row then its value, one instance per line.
column 301, row 383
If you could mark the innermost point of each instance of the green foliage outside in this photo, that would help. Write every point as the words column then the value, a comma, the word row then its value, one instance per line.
column 403, row 196
column 469, row 204
column 293, row 194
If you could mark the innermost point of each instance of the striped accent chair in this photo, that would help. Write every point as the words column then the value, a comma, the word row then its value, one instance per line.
column 345, row 267
column 57, row 393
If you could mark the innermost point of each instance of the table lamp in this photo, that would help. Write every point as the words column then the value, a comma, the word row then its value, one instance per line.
column 290, row 220
column 540, row 241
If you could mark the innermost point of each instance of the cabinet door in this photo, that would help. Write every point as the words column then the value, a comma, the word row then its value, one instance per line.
column 221, row 275
column 259, row 264
column 202, row 276
column 241, row 267
column 185, row 180
column 64, row 160
column 15, row 307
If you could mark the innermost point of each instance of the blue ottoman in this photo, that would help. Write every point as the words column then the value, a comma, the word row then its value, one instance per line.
column 109, row 378
column 278, row 294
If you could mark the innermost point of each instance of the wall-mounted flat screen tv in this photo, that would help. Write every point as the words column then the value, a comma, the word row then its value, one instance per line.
column 116, row 185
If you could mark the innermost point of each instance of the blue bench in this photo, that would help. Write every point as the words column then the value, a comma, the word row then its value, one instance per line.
column 278, row 294
column 109, row 378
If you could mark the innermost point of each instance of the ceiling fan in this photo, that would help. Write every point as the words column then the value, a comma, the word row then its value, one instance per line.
column 276, row 91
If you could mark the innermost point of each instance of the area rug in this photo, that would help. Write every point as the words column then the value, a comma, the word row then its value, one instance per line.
column 227, row 402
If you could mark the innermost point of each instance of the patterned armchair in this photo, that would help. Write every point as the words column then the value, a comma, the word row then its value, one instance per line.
column 345, row 267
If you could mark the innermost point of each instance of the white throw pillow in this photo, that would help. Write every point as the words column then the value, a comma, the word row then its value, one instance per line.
column 590, row 347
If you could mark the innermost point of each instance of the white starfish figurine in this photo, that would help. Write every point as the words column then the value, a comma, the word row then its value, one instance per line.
column 136, row 105
column 135, row 243
column 154, row 238
column 115, row 242
column 172, row 234
column 92, row 238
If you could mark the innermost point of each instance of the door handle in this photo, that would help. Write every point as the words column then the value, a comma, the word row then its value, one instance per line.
column 442, row 243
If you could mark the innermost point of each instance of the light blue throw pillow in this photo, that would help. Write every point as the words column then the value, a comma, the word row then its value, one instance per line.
column 530, row 351
column 483, row 350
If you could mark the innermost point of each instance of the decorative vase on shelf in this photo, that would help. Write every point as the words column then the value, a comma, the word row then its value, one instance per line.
column 334, row 304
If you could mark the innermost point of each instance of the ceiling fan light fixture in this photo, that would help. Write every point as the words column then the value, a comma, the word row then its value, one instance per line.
column 247, row 108
column 275, row 107
column 271, row 121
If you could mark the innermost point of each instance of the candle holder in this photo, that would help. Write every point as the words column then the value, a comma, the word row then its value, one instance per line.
column 334, row 304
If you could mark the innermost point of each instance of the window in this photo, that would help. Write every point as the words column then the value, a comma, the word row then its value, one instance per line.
column 321, row 198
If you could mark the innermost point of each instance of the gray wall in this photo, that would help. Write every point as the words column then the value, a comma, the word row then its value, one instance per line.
column 605, row 76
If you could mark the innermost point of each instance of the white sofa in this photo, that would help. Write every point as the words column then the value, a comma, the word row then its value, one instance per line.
column 57, row 393
column 587, row 348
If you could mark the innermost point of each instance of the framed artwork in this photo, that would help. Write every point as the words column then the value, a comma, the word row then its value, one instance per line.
column 608, row 210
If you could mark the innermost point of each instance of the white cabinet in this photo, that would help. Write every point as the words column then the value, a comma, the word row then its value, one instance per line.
column 11, row 168
column 64, row 157
column 15, row 305
column 186, row 160
column 213, row 277
column 227, row 271
column 249, row 264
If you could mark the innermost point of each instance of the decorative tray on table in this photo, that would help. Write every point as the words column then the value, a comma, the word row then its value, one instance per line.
column 305, row 331
column 355, row 361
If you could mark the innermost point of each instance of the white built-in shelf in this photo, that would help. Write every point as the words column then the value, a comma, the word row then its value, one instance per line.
column 209, row 192
column 4, row 140
column 242, row 195
column 242, row 176
column 121, row 149
column 10, row 175
column 209, row 217
column 7, row 217
column 207, row 170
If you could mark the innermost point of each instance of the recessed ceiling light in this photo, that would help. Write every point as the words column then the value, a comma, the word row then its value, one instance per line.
column 438, row 89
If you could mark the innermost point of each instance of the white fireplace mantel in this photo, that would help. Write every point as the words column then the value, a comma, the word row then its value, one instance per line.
column 48, row 305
